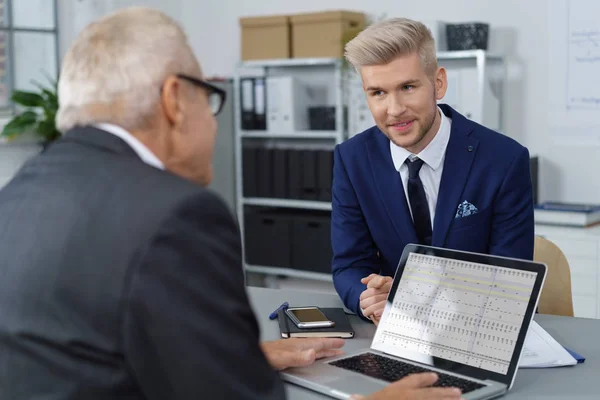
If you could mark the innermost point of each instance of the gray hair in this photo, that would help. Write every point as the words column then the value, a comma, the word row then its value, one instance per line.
column 114, row 70
column 384, row 41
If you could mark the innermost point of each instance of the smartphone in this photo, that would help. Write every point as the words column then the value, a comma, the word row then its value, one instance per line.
column 308, row 317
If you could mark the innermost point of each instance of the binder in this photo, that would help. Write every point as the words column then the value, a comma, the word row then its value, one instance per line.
column 325, row 174
column 247, row 103
column 309, row 176
column 295, row 174
column 287, row 108
column 265, row 172
column 280, row 173
column 249, row 171
column 260, row 99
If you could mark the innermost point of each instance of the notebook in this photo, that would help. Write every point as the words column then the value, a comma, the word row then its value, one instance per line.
column 342, row 328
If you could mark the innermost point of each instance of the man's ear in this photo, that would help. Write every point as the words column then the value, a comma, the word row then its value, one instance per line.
column 171, row 96
column 441, row 83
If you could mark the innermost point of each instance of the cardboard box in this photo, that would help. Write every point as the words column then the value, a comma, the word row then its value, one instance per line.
column 324, row 34
column 265, row 37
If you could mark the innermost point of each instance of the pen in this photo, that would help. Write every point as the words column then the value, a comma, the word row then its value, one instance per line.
column 273, row 315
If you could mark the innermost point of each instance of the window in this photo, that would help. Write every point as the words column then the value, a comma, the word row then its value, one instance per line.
column 28, row 46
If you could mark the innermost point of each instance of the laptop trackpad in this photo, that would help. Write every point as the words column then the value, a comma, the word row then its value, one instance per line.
column 357, row 385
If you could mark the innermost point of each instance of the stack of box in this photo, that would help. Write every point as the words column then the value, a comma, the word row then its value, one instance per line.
column 321, row 34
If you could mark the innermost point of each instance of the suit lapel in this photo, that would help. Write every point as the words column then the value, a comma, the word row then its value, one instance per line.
column 460, row 154
column 389, row 185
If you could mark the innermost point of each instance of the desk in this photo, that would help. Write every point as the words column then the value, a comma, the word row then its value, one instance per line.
column 578, row 382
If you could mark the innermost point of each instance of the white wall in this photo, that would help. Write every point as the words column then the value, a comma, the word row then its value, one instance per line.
column 76, row 14
column 520, row 30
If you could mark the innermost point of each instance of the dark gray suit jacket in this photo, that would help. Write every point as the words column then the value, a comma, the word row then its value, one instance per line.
column 121, row 281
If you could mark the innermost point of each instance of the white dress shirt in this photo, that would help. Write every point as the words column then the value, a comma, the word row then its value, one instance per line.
column 138, row 147
column 433, row 164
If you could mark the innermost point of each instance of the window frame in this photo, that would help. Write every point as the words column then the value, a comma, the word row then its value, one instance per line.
column 9, row 30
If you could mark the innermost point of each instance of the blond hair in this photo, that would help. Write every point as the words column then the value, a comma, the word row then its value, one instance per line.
column 114, row 70
column 384, row 41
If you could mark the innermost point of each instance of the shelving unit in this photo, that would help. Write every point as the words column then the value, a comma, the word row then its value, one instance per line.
column 287, row 203
column 295, row 135
column 333, row 68
column 475, row 85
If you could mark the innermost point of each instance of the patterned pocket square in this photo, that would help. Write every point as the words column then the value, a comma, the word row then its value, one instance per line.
column 465, row 209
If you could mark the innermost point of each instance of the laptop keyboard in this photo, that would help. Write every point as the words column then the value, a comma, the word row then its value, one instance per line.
column 391, row 370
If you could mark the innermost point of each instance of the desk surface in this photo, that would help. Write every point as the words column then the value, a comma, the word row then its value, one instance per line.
column 579, row 334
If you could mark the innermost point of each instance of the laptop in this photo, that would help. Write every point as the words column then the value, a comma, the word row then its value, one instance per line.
column 462, row 315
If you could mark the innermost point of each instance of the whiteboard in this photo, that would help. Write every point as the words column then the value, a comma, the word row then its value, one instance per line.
column 574, row 71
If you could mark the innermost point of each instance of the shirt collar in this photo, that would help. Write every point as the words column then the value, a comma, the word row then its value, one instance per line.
column 140, row 149
column 435, row 151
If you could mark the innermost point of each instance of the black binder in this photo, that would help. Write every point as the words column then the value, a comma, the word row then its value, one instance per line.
column 249, row 171
column 325, row 174
column 265, row 172
column 280, row 173
column 309, row 175
column 295, row 174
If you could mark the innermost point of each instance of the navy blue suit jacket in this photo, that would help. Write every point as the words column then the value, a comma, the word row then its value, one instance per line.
column 371, row 221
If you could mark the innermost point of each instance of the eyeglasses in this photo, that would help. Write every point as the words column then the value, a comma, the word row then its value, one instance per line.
column 216, row 96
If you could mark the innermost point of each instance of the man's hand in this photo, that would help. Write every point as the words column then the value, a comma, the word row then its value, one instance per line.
column 299, row 352
column 372, row 300
column 414, row 387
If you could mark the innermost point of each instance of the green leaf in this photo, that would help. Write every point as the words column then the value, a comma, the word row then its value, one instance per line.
column 20, row 124
column 47, row 129
column 27, row 99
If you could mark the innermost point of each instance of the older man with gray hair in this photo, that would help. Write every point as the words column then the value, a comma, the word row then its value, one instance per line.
column 121, row 275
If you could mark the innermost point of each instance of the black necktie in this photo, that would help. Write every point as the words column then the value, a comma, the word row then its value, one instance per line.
column 418, row 201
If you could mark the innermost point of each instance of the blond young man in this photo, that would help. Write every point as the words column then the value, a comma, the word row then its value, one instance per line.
column 424, row 174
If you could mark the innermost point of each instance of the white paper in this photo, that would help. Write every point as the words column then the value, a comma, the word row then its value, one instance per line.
column 542, row 351
column 259, row 97
column 247, row 100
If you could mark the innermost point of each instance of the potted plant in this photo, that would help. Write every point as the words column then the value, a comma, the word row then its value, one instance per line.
column 38, row 115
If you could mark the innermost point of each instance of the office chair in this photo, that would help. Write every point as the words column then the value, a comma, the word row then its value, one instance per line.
column 556, row 297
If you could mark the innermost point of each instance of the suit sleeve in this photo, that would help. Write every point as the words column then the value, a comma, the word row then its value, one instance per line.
column 354, row 252
column 512, row 232
column 189, row 331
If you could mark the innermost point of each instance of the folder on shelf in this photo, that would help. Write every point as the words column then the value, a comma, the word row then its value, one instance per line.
column 280, row 173
column 247, row 103
column 265, row 172
column 295, row 174
column 249, row 171
column 260, row 112
column 325, row 174
column 309, row 175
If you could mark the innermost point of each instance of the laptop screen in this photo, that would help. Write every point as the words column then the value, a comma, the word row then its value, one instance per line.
column 459, row 314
